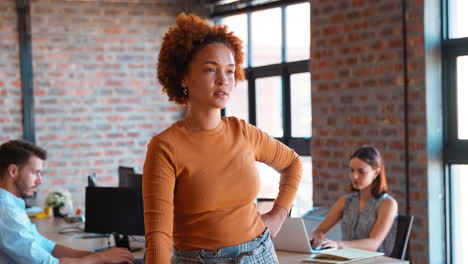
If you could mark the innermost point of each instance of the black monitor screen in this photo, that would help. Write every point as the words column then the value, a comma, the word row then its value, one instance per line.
column 114, row 210
column 131, row 180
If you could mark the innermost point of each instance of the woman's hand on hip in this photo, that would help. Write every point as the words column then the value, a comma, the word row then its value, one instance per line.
column 274, row 219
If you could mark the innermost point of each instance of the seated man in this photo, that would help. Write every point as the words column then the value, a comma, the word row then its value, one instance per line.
column 20, row 242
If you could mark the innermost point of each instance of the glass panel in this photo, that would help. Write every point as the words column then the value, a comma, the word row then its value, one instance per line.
column 298, row 32
column 269, row 105
column 269, row 179
column 462, row 96
column 238, row 105
column 458, row 20
column 238, row 24
column 301, row 107
column 303, row 201
column 266, row 37
column 459, row 213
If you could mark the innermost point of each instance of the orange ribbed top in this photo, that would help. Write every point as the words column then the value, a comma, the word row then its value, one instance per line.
column 199, row 187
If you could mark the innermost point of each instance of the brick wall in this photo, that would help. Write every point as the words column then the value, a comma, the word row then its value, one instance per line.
column 418, row 149
column 11, row 118
column 357, row 70
column 97, row 99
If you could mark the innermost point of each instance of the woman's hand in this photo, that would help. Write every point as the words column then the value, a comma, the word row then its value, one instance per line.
column 327, row 243
column 274, row 219
column 316, row 239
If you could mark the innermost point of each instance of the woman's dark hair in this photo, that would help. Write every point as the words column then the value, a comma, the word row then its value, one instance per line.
column 371, row 156
column 18, row 152
column 180, row 44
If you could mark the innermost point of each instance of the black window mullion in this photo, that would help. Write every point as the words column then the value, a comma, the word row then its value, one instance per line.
column 300, row 145
column 298, row 66
column 455, row 149
column 286, row 105
column 233, row 9
column 452, row 97
column 252, row 99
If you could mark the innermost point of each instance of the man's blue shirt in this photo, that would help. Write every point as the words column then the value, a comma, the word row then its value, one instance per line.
column 20, row 242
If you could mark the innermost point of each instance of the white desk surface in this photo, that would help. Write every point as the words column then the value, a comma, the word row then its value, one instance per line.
column 49, row 228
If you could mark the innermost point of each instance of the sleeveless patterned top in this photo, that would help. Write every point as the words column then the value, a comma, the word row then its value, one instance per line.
column 355, row 225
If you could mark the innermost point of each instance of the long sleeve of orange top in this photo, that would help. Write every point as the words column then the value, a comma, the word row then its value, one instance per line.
column 199, row 187
column 158, row 190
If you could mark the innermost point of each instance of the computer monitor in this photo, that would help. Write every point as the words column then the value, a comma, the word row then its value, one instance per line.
column 134, row 181
column 118, row 211
column 124, row 173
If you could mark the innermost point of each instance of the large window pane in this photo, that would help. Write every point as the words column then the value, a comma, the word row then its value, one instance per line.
column 462, row 96
column 269, row 179
column 238, row 24
column 238, row 105
column 458, row 20
column 460, row 213
column 301, row 107
column 269, row 105
column 266, row 37
column 298, row 32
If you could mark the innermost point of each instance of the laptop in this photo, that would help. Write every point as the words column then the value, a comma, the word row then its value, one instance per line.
column 293, row 236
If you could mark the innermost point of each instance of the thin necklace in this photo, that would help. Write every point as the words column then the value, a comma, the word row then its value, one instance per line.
column 189, row 127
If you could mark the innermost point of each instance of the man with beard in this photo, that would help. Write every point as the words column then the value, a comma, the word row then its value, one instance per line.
column 20, row 174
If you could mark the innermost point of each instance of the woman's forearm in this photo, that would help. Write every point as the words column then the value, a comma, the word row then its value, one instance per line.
column 366, row 244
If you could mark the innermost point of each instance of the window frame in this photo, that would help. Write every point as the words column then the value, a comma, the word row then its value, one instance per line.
column 453, row 148
column 284, row 69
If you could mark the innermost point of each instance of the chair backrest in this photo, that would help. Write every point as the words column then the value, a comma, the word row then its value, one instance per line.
column 265, row 204
column 124, row 174
column 404, row 224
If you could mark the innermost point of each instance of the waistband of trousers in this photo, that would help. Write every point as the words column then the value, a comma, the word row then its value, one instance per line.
column 227, row 252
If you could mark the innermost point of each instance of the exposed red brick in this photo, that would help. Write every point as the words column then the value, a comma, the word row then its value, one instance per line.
column 368, row 109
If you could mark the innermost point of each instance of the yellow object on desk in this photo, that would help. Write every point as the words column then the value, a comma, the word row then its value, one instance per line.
column 39, row 215
column 35, row 212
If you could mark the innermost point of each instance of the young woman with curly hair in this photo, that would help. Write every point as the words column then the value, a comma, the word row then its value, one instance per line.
column 366, row 215
column 200, row 180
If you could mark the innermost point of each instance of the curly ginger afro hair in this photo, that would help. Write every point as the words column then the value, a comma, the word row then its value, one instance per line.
column 180, row 44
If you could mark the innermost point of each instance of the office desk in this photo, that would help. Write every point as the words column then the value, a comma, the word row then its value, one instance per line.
column 285, row 257
column 49, row 228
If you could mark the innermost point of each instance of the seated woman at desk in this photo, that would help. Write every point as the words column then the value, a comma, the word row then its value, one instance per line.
column 367, row 214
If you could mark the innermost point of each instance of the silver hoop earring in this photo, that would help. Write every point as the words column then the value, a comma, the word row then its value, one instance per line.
column 185, row 91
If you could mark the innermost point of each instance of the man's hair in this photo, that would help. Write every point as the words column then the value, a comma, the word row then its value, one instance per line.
column 18, row 152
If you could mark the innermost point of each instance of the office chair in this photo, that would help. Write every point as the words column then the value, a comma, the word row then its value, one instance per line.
column 265, row 204
column 124, row 174
column 403, row 231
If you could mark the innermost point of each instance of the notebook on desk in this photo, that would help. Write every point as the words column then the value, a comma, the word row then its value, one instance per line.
column 342, row 256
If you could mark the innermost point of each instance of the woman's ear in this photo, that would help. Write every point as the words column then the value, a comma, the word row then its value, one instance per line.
column 377, row 172
column 183, row 81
